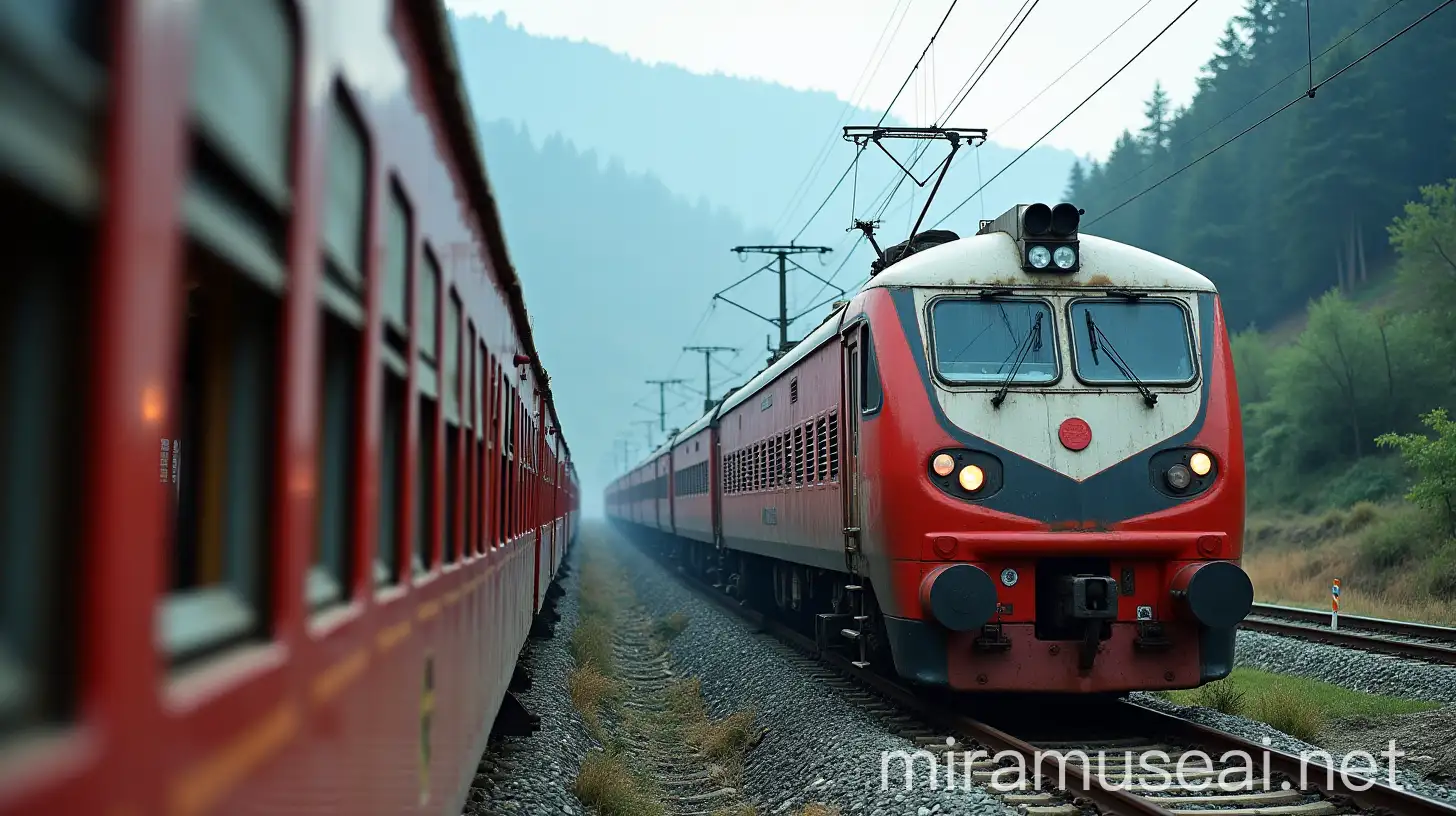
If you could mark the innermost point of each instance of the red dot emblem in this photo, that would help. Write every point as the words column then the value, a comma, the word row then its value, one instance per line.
column 1075, row 434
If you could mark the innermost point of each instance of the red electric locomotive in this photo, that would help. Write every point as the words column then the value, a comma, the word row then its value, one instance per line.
column 284, row 485
column 1010, row 462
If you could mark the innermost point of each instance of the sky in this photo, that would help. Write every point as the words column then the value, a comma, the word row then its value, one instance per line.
column 862, row 50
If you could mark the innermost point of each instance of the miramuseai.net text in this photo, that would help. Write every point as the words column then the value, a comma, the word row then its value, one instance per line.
column 1146, row 771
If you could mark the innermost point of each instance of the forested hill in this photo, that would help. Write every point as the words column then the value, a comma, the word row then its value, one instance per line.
column 738, row 143
column 1301, row 204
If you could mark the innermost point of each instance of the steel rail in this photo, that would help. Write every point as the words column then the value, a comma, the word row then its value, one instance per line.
column 1311, row 625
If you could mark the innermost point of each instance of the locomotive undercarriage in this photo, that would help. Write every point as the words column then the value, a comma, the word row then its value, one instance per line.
column 1074, row 640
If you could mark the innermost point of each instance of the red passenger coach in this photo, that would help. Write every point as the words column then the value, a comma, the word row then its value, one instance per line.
column 1011, row 462
column 295, row 491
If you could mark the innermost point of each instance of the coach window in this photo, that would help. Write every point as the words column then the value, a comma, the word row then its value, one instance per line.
column 51, row 218
column 451, row 402
column 217, row 468
column 427, row 303
column 479, row 388
column 342, row 295
column 392, row 535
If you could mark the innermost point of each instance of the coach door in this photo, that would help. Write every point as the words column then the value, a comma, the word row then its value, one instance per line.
column 849, row 445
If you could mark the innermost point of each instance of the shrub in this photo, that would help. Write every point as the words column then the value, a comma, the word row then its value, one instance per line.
column 1398, row 536
column 1222, row 696
column 1434, row 460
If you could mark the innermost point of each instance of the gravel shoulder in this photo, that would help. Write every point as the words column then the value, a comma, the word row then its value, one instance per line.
column 534, row 775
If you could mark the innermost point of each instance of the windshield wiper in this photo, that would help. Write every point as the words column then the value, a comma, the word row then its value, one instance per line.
column 1093, row 333
column 1022, row 350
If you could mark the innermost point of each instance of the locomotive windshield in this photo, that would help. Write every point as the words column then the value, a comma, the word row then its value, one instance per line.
column 1150, row 338
column 977, row 341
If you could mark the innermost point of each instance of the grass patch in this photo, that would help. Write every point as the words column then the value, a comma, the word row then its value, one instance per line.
column 725, row 741
column 591, row 691
column 591, row 642
column 1298, row 706
column 607, row 782
column 1222, row 695
column 817, row 809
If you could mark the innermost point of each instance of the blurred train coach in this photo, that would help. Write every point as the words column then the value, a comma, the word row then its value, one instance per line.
column 285, row 487
column 1010, row 462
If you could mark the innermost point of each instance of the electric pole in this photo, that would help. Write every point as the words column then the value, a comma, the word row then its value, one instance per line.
column 662, row 401
column 781, row 253
column 647, row 428
column 707, row 352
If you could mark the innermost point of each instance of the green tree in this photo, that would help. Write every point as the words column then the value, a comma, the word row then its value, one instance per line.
column 1425, row 239
column 1434, row 460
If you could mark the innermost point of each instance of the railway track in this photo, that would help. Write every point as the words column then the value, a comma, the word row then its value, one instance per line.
column 1417, row 641
column 1085, row 767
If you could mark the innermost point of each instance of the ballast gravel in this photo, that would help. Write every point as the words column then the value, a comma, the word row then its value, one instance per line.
column 1350, row 668
column 817, row 747
column 533, row 775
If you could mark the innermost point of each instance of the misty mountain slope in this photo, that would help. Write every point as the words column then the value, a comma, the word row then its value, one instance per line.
column 743, row 144
column 617, row 272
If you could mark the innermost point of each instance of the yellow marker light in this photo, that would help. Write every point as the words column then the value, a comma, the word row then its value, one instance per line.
column 972, row 478
column 943, row 464
column 1200, row 463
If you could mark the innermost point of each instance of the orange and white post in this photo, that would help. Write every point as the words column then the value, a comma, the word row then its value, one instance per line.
column 1335, row 605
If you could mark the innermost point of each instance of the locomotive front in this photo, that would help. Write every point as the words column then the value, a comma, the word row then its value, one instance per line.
column 1053, row 492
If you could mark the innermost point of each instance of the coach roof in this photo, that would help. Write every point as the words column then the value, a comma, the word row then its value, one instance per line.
column 992, row 260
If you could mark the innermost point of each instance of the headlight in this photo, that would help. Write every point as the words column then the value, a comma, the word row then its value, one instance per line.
column 943, row 464
column 1179, row 477
column 972, row 478
column 1039, row 257
column 1065, row 257
column 1200, row 463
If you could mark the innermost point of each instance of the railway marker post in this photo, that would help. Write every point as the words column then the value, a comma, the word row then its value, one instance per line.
column 1335, row 605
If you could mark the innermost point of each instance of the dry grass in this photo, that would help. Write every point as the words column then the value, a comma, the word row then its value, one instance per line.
column 591, row 691
column 591, row 642
column 607, row 782
column 726, row 741
column 1388, row 561
column 818, row 809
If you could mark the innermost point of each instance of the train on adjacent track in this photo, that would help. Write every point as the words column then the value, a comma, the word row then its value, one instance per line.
column 286, row 490
column 1011, row 461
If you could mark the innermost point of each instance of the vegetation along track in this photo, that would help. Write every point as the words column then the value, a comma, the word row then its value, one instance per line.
column 1419, row 641
column 1082, row 748
column 660, row 753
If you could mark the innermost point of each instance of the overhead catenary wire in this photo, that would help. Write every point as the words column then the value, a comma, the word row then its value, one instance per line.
column 1291, row 103
column 1069, row 115
column 880, row 121
column 861, row 87
column 979, row 72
